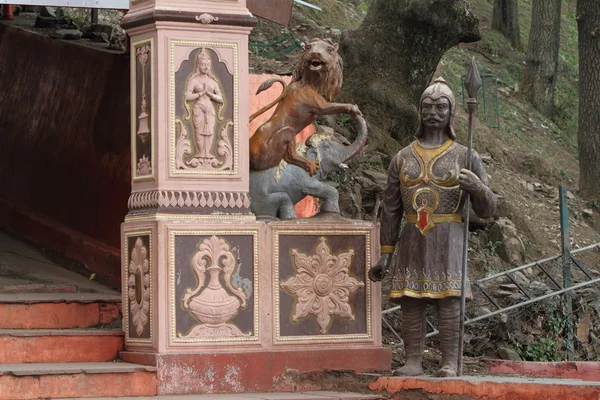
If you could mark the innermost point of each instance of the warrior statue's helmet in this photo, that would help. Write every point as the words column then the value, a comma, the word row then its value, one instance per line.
column 436, row 91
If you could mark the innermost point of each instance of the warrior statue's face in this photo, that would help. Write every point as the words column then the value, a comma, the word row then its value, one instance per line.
column 435, row 114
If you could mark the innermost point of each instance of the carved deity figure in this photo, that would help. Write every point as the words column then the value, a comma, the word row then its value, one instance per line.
column 428, row 182
column 203, row 89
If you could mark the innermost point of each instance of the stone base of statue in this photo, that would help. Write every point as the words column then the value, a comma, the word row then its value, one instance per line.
column 245, row 305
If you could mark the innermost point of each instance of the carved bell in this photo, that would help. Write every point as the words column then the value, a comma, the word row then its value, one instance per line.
column 143, row 128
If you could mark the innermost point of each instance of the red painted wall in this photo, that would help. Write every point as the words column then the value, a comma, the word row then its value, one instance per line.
column 64, row 145
column 64, row 141
column 64, row 123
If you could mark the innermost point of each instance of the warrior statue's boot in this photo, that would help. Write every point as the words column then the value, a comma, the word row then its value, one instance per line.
column 413, row 335
column 449, row 314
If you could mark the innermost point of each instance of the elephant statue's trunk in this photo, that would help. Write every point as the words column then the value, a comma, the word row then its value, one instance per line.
column 353, row 149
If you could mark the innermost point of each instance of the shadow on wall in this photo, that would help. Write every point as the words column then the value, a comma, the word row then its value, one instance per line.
column 64, row 146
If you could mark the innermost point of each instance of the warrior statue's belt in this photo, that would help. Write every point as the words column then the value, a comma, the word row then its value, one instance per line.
column 426, row 220
column 435, row 218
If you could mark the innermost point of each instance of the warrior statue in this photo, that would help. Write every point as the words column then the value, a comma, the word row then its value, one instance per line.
column 427, row 181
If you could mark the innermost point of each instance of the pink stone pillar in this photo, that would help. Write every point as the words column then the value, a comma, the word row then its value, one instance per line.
column 189, row 167
column 208, row 291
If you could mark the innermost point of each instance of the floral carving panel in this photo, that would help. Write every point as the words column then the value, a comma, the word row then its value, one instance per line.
column 138, row 287
column 214, row 288
column 322, row 285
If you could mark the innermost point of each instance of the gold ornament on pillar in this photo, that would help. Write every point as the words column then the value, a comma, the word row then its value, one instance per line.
column 142, row 54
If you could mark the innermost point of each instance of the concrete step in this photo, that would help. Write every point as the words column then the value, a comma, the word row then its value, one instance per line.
column 313, row 395
column 583, row 370
column 59, row 346
column 59, row 310
column 76, row 380
column 491, row 388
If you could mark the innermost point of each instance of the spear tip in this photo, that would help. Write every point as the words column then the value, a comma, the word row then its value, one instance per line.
column 473, row 80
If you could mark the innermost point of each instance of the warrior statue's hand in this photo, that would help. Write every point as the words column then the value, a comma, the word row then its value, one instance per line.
column 380, row 269
column 469, row 182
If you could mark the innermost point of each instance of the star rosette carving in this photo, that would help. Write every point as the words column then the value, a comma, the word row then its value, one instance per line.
column 139, row 286
column 322, row 284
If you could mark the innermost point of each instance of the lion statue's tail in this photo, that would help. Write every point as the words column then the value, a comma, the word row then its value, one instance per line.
column 264, row 86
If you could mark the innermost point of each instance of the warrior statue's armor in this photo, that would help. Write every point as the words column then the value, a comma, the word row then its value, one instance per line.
column 427, row 182
column 423, row 183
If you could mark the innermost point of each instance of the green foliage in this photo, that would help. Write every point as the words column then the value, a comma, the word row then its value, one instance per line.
column 363, row 6
column 556, row 323
column 542, row 350
column 565, row 175
column 344, row 120
column 492, row 247
column 595, row 204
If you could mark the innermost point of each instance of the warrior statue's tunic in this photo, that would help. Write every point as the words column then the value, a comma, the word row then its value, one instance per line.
column 423, row 183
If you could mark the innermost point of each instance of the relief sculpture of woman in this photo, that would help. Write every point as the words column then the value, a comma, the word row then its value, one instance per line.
column 428, row 182
column 203, row 89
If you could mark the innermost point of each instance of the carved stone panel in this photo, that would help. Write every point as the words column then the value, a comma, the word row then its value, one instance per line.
column 142, row 111
column 214, row 286
column 321, row 289
column 204, row 101
column 138, row 287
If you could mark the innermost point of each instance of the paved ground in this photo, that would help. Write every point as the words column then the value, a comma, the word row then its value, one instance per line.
column 27, row 268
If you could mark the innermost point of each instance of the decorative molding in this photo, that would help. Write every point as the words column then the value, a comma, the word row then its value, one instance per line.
column 180, row 140
column 184, row 147
column 212, row 304
column 151, row 16
column 144, row 167
column 180, row 199
column 206, row 18
column 139, row 286
column 138, row 258
column 156, row 216
column 322, row 284
column 142, row 124
column 368, row 336
column 223, row 334
column 143, row 56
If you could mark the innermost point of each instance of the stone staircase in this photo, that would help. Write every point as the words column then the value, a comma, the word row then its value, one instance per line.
column 60, row 332
column 66, row 345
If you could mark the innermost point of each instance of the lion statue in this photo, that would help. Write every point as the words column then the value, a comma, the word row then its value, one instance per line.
column 316, row 81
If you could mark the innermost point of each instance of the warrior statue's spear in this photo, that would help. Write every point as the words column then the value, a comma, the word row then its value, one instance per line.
column 472, row 84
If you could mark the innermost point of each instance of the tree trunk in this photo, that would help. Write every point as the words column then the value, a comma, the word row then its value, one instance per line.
column 390, row 59
column 505, row 19
column 539, row 77
column 588, row 24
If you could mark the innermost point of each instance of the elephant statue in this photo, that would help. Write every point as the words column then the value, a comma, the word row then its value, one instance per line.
column 274, row 191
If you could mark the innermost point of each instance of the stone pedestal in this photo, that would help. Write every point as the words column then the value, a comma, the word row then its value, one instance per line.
column 219, row 301
column 236, row 306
